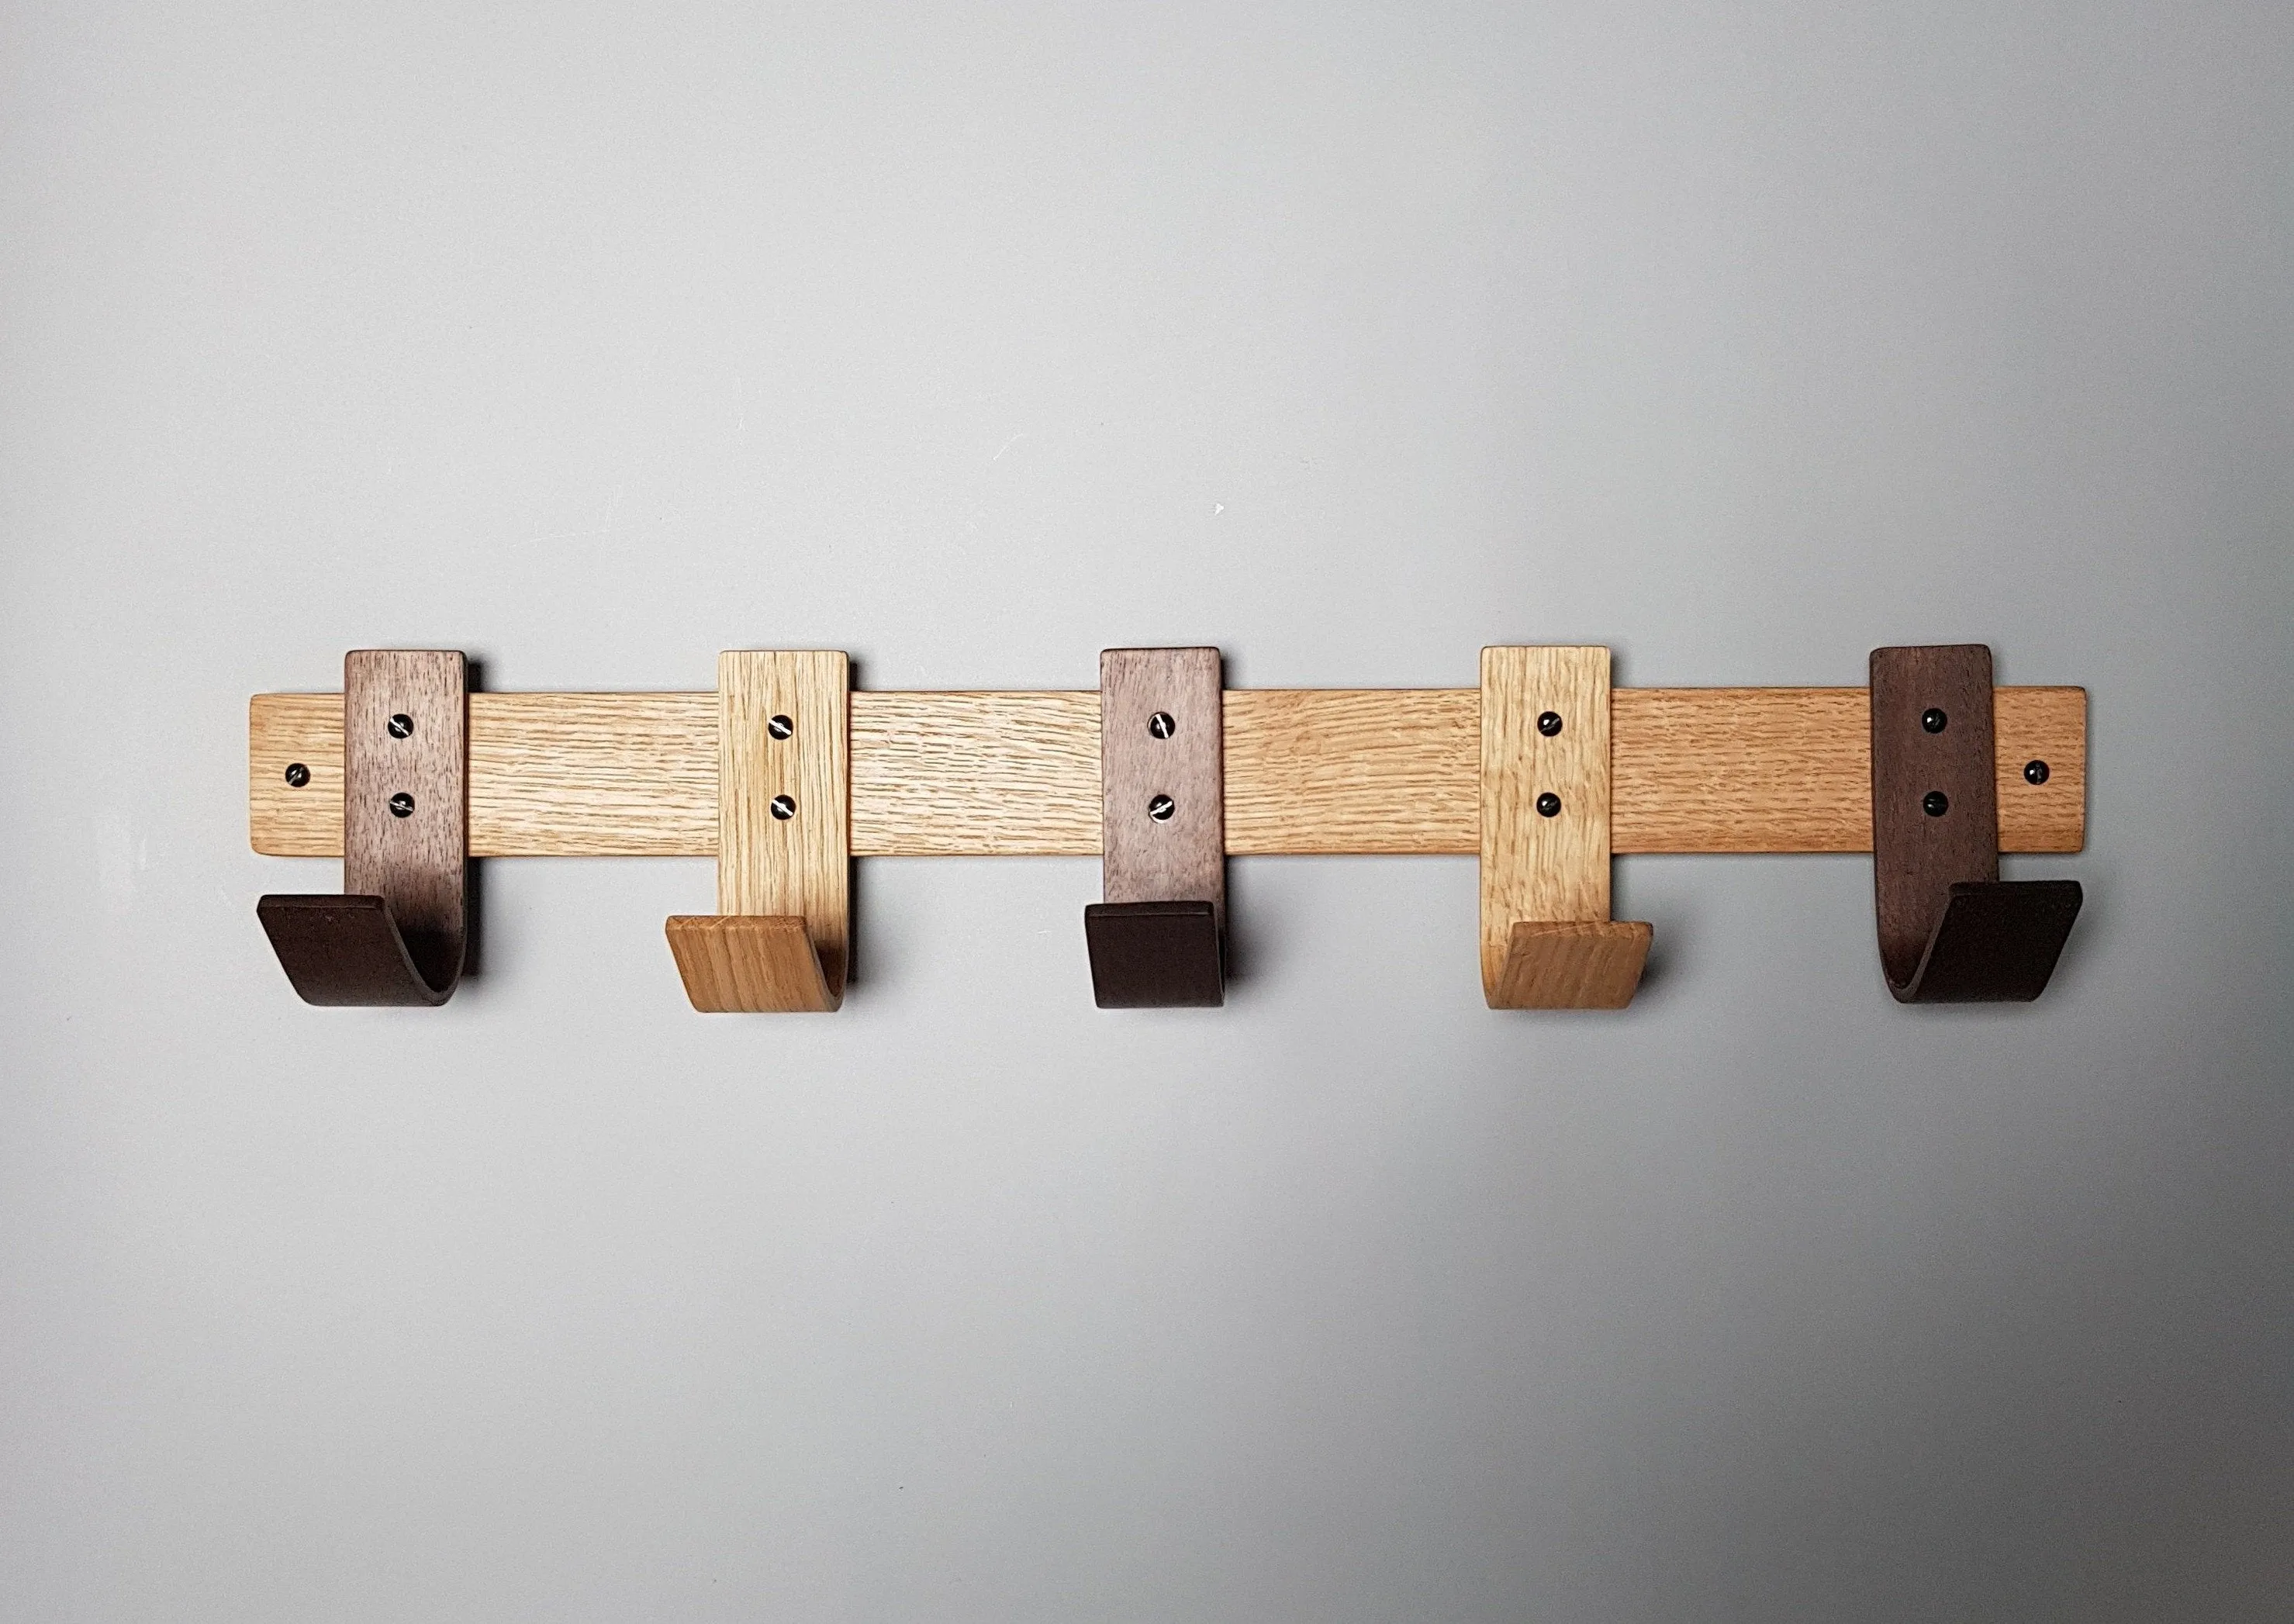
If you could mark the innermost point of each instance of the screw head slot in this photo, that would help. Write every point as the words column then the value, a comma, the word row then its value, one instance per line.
column 1549, row 805
column 784, row 807
column 402, row 805
column 2035, row 772
column 1161, row 808
column 400, row 725
column 1549, row 723
column 1933, row 719
column 1935, row 803
column 1160, row 725
column 297, row 774
column 780, row 726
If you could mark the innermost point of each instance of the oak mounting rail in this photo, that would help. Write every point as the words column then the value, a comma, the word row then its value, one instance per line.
column 1310, row 772
column 1368, row 772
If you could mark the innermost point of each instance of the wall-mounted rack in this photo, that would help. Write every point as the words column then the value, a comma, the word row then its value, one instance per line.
column 1542, row 770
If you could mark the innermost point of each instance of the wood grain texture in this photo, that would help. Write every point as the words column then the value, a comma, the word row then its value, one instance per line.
column 1182, row 858
column 594, row 775
column 1790, row 769
column 1916, row 856
column 1592, row 964
column 2047, row 724
column 1341, row 771
column 1552, row 869
column 784, row 846
column 551, row 775
column 286, row 732
column 975, row 775
column 1950, row 932
column 1545, row 827
column 395, row 936
column 1331, row 771
column 748, row 964
column 415, row 863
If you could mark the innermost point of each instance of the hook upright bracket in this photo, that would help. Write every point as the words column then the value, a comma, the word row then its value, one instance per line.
column 781, row 938
column 1951, row 930
column 1548, row 942
column 395, row 936
column 1157, row 940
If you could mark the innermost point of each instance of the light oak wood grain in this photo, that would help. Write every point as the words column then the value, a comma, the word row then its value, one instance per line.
column 748, row 964
column 1328, row 771
column 975, row 775
column 1546, row 944
column 1556, row 868
column 799, row 866
column 1344, row 771
column 783, row 841
column 1590, row 964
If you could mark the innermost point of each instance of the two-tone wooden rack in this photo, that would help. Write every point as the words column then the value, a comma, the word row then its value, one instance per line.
column 784, row 775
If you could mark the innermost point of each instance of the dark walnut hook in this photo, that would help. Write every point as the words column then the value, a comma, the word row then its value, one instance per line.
column 1156, row 941
column 1951, row 930
column 396, row 934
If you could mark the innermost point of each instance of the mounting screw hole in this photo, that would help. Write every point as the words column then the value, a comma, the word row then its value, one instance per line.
column 1549, row 723
column 1549, row 805
column 1933, row 719
column 297, row 774
column 780, row 726
column 784, row 807
column 2035, row 772
column 1160, row 806
column 402, row 805
column 1160, row 725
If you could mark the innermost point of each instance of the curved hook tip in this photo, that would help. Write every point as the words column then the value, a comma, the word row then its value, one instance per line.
column 349, row 951
column 1155, row 956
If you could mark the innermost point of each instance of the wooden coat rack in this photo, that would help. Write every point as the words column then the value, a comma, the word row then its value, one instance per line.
column 1543, row 771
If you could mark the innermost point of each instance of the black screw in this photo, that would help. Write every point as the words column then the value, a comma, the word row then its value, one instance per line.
column 1160, row 725
column 2035, row 772
column 784, row 807
column 1935, row 803
column 1549, row 723
column 402, row 805
column 400, row 725
column 780, row 726
column 1549, row 805
column 1160, row 806
column 297, row 774
column 1933, row 719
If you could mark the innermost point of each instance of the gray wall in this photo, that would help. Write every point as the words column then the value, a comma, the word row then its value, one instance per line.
column 1743, row 339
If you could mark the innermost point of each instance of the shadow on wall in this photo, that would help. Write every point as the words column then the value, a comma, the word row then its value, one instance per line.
column 2068, row 1421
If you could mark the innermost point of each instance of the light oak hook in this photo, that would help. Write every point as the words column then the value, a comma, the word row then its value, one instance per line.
column 780, row 940
column 1548, row 942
